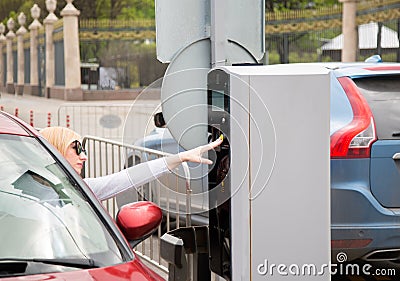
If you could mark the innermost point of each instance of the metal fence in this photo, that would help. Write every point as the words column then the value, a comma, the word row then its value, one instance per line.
column 116, row 121
column 290, row 36
column 107, row 156
column 320, row 45
column 312, row 35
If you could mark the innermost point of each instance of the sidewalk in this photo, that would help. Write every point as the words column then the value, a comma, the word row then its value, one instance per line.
column 40, row 107
column 43, row 112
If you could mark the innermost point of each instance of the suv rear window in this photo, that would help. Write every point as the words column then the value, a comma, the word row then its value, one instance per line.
column 383, row 96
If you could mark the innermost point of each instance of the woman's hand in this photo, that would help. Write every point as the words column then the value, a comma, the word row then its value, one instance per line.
column 192, row 155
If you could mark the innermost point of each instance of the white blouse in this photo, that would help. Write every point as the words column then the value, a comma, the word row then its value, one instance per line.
column 108, row 186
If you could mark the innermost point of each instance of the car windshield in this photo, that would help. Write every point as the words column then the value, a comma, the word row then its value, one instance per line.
column 383, row 96
column 43, row 216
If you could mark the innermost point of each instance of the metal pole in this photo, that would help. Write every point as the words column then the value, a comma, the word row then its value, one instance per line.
column 379, row 39
column 217, row 36
column 398, row 36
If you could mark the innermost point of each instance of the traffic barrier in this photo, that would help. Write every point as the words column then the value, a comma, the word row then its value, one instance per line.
column 127, row 122
column 48, row 119
column 106, row 156
column 31, row 118
column 67, row 123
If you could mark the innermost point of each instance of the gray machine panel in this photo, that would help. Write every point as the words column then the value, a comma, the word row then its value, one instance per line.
column 280, row 207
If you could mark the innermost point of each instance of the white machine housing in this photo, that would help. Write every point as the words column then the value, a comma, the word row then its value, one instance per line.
column 279, row 177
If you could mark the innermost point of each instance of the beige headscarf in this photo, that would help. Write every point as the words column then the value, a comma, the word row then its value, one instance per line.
column 60, row 137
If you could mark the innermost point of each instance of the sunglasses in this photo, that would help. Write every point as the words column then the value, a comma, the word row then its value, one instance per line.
column 78, row 147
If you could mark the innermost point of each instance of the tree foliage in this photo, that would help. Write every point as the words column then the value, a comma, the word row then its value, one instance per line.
column 12, row 8
column 279, row 5
column 7, row 6
column 138, row 9
column 90, row 9
column 115, row 9
column 129, row 9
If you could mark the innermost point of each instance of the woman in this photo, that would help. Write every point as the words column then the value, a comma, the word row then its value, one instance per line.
column 67, row 142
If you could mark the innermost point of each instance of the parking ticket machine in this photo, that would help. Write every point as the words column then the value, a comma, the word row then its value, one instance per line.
column 219, row 177
column 269, row 187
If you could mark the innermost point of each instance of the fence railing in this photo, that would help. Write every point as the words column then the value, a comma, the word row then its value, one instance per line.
column 107, row 156
column 125, row 122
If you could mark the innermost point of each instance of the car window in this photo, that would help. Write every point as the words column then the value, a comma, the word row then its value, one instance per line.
column 341, row 112
column 383, row 96
column 42, row 214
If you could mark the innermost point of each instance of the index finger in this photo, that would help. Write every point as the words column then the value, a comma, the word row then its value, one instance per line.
column 214, row 144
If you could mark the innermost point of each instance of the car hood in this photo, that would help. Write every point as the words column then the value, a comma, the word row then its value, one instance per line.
column 156, row 134
column 160, row 139
column 133, row 270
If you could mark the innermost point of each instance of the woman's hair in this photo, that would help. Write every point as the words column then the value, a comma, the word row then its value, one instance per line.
column 60, row 137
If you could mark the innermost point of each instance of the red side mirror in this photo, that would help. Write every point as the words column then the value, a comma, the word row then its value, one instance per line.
column 139, row 219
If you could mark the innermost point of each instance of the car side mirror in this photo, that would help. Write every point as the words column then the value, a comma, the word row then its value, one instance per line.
column 159, row 121
column 138, row 220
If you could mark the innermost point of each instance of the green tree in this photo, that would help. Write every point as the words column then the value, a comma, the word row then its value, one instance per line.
column 279, row 5
column 138, row 9
column 130, row 9
column 93, row 9
column 8, row 6
column 87, row 8
column 13, row 8
column 116, row 7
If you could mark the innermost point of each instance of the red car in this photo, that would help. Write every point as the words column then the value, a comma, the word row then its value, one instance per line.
column 52, row 227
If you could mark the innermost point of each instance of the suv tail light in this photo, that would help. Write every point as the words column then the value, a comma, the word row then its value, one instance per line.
column 355, row 139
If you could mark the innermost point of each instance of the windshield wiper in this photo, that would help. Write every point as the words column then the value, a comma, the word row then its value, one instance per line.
column 79, row 263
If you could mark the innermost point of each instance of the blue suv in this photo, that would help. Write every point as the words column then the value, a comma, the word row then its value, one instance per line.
column 365, row 161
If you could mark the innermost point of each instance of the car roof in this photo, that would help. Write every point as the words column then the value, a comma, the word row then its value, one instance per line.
column 13, row 126
column 357, row 69
column 350, row 69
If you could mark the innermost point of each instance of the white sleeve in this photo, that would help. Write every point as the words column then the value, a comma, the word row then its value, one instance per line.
column 108, row 186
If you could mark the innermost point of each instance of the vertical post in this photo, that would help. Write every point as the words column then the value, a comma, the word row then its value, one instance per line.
column 34, row 28
column 379, row 39
column 50, row 62
column 10, row 60
column 398, row 36
column 285, row 48
column 218, row 33
column 2, row 42
column 20, row 55
column 349, row 30
column 73, row 90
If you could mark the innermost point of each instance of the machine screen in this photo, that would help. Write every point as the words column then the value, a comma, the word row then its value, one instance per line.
column 217, row 101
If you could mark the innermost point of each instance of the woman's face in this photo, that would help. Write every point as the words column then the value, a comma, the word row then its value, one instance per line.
column 76, row 156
